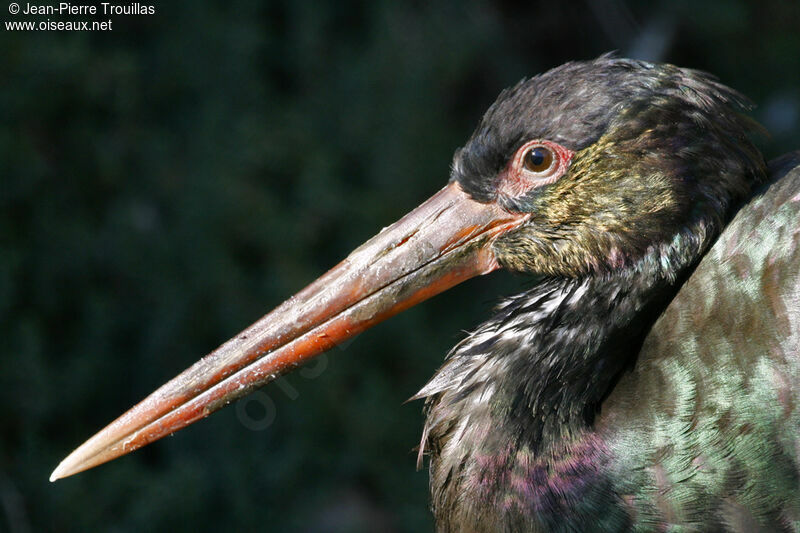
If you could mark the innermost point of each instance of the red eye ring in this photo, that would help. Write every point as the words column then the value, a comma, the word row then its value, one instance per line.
column 535, row 164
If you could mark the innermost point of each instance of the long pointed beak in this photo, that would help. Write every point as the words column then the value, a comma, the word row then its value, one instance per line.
column 443, row 242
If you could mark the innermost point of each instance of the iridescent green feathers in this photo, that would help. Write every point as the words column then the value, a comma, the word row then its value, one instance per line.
column 706, row 429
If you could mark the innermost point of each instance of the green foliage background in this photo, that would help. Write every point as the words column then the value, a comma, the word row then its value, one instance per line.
column 168, row 182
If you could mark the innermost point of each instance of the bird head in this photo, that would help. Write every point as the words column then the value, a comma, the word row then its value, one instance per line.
column 610, row 159
column 577, row 171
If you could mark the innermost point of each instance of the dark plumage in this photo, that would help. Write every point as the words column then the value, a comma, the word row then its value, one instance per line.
column 614, row 395
column 519, row 434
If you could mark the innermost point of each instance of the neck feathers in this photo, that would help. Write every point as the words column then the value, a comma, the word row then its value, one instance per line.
column 528, row 382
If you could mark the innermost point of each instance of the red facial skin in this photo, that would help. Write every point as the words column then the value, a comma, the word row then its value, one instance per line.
column 516, row 180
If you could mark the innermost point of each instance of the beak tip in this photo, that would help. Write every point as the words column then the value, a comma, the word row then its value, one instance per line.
column 58, row 473
column 71, row 465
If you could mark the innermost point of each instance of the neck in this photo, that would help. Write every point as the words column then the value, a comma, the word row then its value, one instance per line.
column 525, row 386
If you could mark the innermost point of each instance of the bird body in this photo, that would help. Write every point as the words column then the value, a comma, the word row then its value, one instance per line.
column 637, row 386
column 700, row 430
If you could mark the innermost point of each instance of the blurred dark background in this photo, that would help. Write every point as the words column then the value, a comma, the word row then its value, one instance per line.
column 166, row 183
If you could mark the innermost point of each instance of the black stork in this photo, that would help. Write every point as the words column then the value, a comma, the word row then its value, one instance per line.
column 650, row 378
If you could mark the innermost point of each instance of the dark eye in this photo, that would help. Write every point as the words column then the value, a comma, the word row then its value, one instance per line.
column 536, row 163
column 538, row 159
